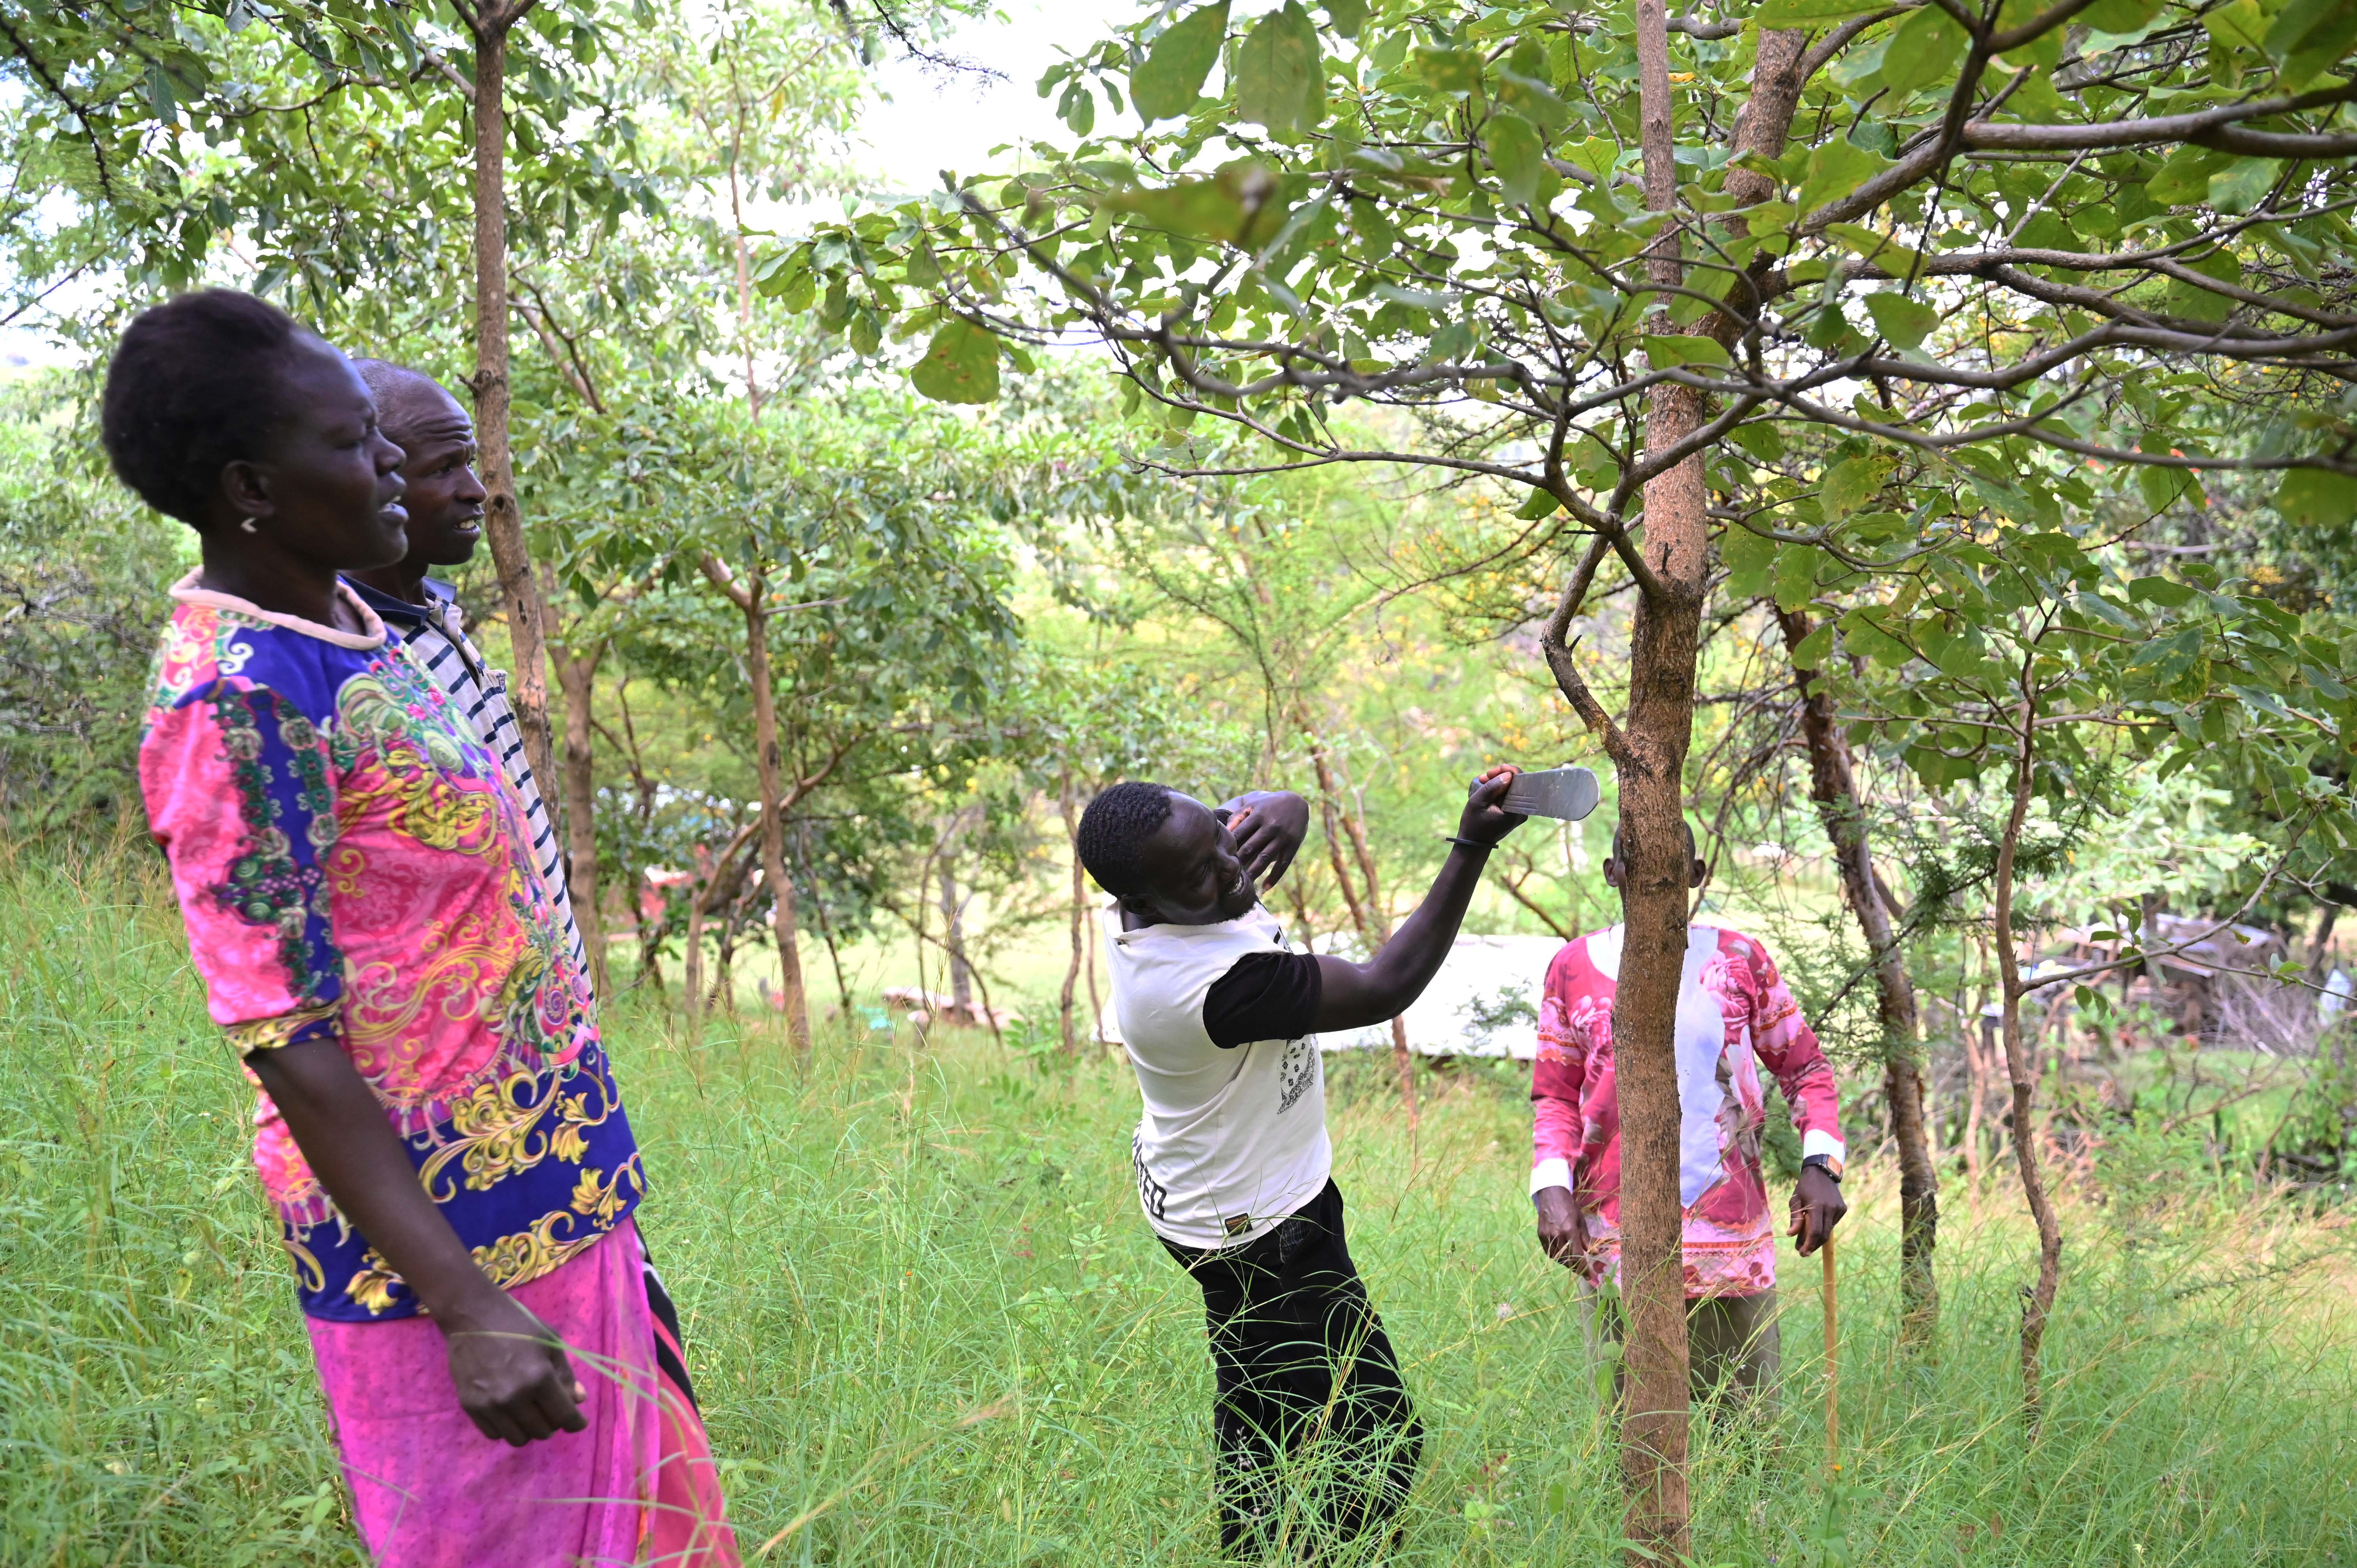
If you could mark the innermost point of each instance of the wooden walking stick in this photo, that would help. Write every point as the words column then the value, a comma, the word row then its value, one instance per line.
column 1833, row 1362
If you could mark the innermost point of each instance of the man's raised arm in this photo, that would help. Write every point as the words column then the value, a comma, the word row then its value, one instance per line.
column 1354, row 995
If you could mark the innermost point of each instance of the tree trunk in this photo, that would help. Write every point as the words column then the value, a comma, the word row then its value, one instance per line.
column 2038, row 1300
column 699, row 895
column 1064, row 799
column 773, row 828
column 495, row 462
column 954, row 940
column 1834, row 787
column 1651, row 754
column 578, row 675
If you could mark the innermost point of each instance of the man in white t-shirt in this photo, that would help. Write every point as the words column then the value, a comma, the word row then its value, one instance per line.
column 1233, row 1165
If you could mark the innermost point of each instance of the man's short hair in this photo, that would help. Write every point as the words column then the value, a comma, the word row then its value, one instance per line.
column 385, row 379
column 1692, row 851
column 1114, row 831
column 196, row 383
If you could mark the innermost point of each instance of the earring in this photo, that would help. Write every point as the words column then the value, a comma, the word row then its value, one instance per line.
column 247, row 524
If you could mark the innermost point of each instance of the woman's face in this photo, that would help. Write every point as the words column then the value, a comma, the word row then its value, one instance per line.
column 328, row 491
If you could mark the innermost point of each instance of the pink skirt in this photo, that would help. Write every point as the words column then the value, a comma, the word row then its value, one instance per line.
column 638, row 1486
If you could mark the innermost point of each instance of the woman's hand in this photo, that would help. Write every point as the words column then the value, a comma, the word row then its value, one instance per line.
column 1563, row 1229
column 512, row 1378
column 1269, row 826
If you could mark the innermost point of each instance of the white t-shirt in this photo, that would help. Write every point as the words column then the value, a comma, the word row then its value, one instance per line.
column 1232, row 1139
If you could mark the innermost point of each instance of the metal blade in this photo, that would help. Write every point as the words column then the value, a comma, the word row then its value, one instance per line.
column 1566, row 794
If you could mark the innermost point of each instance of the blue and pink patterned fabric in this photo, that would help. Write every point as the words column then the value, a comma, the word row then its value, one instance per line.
column 353, row 864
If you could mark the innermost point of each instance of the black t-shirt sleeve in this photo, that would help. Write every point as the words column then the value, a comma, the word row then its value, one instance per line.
column 1265, row 997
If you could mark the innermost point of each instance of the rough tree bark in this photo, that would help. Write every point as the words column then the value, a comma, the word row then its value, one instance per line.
column 751, row 598
column 954, row 942
column 576, row 674
column 2038, row 1300
column 1648, row 748
column 495, row 463
column 1834, row 787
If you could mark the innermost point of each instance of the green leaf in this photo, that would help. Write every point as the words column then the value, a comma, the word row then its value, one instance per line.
column 1836, row 169
column 2317, row 496
column 1541, row 504
column 1905, row 322
column 1750, row 561
column 1807, row 12
column 1665, row 350
column 2193, row 300
column 1924, row 50
column 1517, row 153
column 2119, row 15
column 2309, row 36
column 1348, row 16
column 1243, row 204
column 2184, row 177
column 961, row 364
column 1848, row 485
column 2160, row 591
column 1449, row 70
column 2242, row 184
column 1277, row 80
column 1168, row 84
column 1884, row 252
column 2238, row 24
column 1528, row 94
column 1795, row 579
column 1760, row 438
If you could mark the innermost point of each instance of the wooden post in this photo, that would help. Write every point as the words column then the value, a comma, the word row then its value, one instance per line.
column 1833, row 1363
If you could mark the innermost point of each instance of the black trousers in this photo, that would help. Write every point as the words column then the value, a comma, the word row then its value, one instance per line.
column 1306, row 1374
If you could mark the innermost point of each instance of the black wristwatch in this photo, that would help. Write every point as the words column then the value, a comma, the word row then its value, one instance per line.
column 1825, row 1163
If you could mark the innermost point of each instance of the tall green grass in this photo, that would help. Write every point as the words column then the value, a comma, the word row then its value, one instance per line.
column 929, row 1327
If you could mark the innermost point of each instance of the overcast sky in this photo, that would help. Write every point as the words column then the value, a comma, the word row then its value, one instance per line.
column 935, row 120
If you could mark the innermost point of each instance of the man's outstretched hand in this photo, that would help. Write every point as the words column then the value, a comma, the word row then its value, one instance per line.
column 1817, row 1207
column 1563, row 1229
column 1269, row 826
column 1484, row 820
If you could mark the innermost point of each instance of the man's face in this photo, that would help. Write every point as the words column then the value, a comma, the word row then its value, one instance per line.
column 1616, row 872
column 445, row 499
column 1193, row 874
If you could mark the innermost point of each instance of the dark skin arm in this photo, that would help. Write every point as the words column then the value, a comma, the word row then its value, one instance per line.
column 513, row 1381
column 1358, row 994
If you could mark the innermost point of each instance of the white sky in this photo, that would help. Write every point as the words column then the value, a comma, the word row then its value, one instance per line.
column 926, row 120
column 934, row 121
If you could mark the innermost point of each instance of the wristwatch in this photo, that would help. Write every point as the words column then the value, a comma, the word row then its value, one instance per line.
column 1825, row 1163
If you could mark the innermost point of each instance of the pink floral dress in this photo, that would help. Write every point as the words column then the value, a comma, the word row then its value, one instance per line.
column 1735, row 1017
column 352, row 865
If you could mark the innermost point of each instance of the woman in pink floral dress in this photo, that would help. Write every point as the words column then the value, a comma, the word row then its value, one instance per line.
column 437, row 1126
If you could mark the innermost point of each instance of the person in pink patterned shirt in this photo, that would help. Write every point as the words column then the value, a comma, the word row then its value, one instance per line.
column 1735, row 1017
column 436, row 1122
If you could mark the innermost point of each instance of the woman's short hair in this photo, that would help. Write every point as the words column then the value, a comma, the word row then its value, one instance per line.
column 194, row 386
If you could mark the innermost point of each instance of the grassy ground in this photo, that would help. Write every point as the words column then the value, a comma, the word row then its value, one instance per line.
column 929, row 1327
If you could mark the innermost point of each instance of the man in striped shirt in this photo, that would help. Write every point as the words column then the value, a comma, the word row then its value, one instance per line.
column 446, row 524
